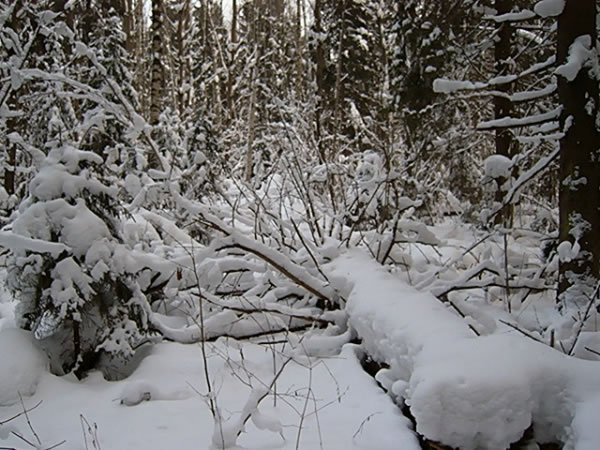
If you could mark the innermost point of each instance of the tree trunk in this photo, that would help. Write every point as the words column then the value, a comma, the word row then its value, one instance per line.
column 128, row 26
column 320, row 80
column 298, row 38
column 338, row 96
column 579, row 192
column 143, row 65
column 502, row 105
column 251, row 124
column 11, row 160
column 158, row 75
column 229, row 87
column 183, row 82
column 12, row 123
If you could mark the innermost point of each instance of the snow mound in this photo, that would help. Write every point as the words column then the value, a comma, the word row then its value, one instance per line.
column 497, row 166
column 21, row 368
column 467, row 391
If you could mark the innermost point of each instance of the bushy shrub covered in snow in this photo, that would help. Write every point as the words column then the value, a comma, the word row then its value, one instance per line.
column 75, row 279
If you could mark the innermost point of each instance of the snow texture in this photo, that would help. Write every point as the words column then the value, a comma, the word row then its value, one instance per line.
column 162, row 405
column 549, row 8
column 21, row 368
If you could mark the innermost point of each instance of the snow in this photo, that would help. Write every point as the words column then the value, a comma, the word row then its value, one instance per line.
column 323, row 404
column 524, row 14
column 55, row 180
column 466, row 391
column 567, row 251
column 22, row 366
column 549, row 8
column 520, row 121
column 84, row 228
column 15, row 242
column 580, row 52
column 448, row 86
column 585, row 423
column 497, row 166
column 468, row 333
column 533, row 94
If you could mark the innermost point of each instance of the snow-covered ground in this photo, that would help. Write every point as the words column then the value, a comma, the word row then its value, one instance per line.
column 319, row 403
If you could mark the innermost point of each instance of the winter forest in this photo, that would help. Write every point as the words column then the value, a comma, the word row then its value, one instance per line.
column 299, row 224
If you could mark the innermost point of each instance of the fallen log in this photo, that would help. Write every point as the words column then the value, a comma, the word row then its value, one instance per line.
column 466, row 391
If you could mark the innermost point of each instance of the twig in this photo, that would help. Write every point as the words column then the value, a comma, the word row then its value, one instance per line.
column 37, row 438
column 304, row 408
column 92, row 432
column 263, row 310
column 461, row 314
column 585, row 317
column 592, row 351
column 362, row 424
column 308, row 250
column 21, row 413
column 523, row 332
column 318, row 422
column 31, row 444
column 261, row 333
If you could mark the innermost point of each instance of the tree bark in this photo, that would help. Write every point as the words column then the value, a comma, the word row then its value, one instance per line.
column 298, row 38
column 183, row 82
column 12, row 123
column 319, row 79
column 503, row 106
column 251, row 125
column 229, row 86
column 579, row 191
column 128, row 26
column 158, row 75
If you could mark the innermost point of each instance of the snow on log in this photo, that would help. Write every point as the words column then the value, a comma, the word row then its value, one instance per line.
column 466, row 391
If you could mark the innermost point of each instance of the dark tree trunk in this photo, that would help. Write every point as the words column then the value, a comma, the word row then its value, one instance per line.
column 11, row 159
column 230, row 75
column 12, row 123
column 579, row 192
column 502, row 105
column 320, row 79
column 158, row 75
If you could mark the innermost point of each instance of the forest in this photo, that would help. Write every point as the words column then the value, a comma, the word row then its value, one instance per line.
column 299, row 224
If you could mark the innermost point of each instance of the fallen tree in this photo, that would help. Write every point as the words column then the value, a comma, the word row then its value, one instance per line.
column 464, row 390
